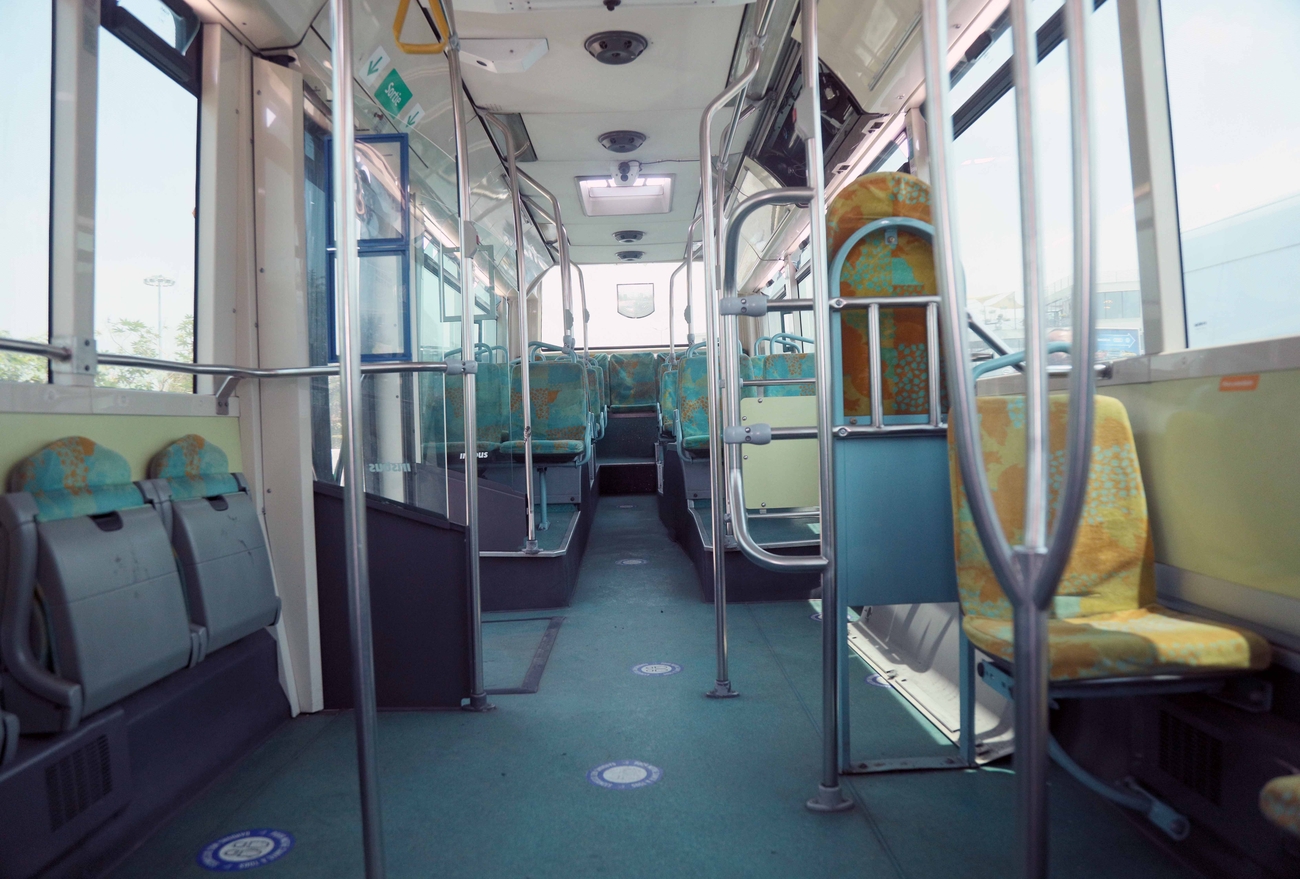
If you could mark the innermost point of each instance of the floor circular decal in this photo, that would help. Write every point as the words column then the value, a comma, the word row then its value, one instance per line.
column 245, row 850
column 878, row 681
column 816, row 617
column 657, row 669
column 630, row 562
column 624, row 775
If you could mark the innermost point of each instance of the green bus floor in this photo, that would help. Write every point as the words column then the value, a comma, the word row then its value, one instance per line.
column 505, row 794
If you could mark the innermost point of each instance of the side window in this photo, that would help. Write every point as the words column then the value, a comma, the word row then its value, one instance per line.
column 146, row 189
column 988, row 213
column 25, row 182
column 1236, row 135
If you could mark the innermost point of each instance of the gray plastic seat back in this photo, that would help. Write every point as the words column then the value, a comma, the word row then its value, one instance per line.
column 226, row 566
column 114, row 601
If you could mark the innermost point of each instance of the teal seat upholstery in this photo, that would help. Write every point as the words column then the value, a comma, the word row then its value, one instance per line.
column 75, row 476
column 667, row 397
column 781, row 366
column 193, row 468
column 560, row 412
column 632, row 383
column 692, row 425
column 443, row 411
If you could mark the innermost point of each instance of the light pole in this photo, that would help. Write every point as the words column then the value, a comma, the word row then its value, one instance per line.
column 159, row 281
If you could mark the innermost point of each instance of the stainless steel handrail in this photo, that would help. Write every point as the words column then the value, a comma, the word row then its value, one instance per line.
column 525, row 387
column 348, row 298
column 672, row 336
column 562, row 236
column 689, row 260
column 718, row 494
column 732, row 383
column 468, row 243
column 1028, row 573
column 586, row 316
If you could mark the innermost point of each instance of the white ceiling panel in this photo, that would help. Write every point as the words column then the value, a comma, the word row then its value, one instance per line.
column 670, row 134
column 685, row 65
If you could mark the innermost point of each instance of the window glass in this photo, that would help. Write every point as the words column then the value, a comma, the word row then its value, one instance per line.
column 609, row 328
column 145, row 217
column 1236, row 137
column 988, row 213
column 175, row 30
column 25, row 182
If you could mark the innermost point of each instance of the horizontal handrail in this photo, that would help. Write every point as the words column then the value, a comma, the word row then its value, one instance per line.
column 769, row 382
column 1015, row 358
column 858, row 302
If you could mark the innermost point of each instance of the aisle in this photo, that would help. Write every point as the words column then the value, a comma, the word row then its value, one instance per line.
column 510, row 793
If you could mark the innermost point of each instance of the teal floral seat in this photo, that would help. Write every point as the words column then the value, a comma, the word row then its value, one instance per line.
column 632, row 381
column 560, row 414
column 692, row 426
column 443, row 411
column 75, row 476
column 794, row 365
column 1280, row 803
column 667, row 398
column 193, row 468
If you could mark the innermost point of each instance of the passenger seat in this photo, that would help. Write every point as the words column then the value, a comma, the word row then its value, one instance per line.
column 215, row 529
column 1280, row 803
column 94, row 609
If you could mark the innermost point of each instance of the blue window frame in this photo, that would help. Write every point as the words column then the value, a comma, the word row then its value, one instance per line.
column 384, row 247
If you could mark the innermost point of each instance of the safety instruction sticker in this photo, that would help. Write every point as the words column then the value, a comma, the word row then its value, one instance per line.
column 245, row 850
column 374, row 66
column 393, row 93
column 411, row 115
column 1239, row 383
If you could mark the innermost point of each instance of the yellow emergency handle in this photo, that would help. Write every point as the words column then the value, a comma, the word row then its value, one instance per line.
column 439, row 21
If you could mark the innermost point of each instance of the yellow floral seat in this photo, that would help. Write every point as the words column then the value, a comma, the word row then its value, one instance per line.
column 1105, row 622
column 1280, row 803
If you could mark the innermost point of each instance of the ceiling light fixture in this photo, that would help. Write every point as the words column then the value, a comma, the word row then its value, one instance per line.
column 648, row 195
column 628, row 236
column 630, row 255
column 621, row 141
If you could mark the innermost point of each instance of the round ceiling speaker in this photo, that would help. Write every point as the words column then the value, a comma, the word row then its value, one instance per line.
column 630, row 255
column 621, row 141
column 629, row 236
column 616, row 47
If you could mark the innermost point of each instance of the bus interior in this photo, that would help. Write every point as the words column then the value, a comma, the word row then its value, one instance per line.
column 913, row 491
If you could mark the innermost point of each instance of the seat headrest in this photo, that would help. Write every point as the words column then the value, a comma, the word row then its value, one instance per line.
column 194, row 468
column 871, row 269
column 76, row 476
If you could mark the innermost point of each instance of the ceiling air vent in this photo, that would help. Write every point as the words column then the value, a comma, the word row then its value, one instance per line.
column 628, row 236
column 621, row 141
column 630, row 255
column 616, row 47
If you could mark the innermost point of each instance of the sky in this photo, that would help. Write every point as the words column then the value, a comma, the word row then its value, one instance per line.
column 145, row 189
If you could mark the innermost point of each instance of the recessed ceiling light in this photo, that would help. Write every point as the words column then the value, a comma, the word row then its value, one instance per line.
column 616, row 47
column 629, row 236
column 648, row 195
column 630, row 255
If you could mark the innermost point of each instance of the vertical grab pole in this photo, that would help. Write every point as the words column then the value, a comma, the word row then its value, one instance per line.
column 1029, row 573
column 717, row 472
column 690, row 281
column 830, row 797
column 582, row 294
column 516, row 203
column 672, row 338
column 348, row 299
column 468, row 244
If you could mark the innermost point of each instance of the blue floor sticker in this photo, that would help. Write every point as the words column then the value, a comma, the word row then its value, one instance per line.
column 245, row 850
column 630, row 562
column 878, row 681
column 627, row 506
column 656, row 669
column 817, row 617
column 624, row 775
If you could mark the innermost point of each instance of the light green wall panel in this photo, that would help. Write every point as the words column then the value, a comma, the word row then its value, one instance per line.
column 783, row 473
column 136, row 437
column 1221, row 464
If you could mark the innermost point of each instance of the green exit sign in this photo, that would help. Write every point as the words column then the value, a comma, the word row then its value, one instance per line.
column 393, row 93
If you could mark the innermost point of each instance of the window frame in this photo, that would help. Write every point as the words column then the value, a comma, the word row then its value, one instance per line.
column 184, row 68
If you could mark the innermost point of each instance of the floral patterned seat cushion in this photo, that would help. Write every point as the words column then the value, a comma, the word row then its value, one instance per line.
column 1280, row 803
column 75, row 476
column 558, row 392
column 1105, row 620
column 792, row 365
column 693, row 403
column 874, row 268
column 194, row 468
column 667, row 399
column 632, row 380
